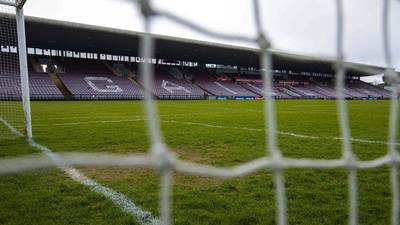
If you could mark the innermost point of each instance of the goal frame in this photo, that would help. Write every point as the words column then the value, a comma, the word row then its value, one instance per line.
column 23, row 62
column 162, row 159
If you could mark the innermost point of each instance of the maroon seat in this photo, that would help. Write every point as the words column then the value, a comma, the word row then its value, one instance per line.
column 90, row 79
column 167, row 86
column 221, row 88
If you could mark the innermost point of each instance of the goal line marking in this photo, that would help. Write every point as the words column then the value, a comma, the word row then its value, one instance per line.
column 120, row 200
column 11, row 128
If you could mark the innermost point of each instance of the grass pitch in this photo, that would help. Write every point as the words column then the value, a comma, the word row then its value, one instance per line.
column 209, row 132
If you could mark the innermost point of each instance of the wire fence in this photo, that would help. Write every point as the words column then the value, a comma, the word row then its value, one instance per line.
column 163, row 160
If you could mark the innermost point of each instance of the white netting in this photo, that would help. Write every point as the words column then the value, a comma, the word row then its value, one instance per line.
column 8, row 2
column 11, row 111
column 163, row 160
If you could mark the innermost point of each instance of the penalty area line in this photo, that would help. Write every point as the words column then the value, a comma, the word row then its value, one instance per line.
column 360, row 140
column 283, row 133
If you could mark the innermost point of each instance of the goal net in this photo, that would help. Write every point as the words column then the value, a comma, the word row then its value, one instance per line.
column 11, row 111
column 160, row 158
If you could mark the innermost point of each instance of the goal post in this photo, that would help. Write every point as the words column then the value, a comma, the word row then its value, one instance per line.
column 23, row 65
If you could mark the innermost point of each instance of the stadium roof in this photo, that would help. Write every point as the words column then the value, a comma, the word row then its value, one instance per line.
column 55, row 34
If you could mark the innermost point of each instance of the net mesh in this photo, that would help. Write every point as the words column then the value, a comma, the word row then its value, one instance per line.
column 162, row 159
column 11, row 110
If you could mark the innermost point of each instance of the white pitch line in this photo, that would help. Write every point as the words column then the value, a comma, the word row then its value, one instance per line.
column 227, row 109
column 283, row 133
column 12, row 129
column 122, row 201
column 88, row 122
column 101, row 121
column 89, row 117
column 124, row 119
column 214, row 110
column 279, row 132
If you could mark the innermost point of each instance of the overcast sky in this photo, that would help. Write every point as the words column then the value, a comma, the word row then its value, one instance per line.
column 298, row 26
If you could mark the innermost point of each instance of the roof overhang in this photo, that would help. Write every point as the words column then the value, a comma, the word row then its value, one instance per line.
column 55, row 34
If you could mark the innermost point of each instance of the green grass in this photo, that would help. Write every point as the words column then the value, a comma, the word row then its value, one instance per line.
column 313, row 196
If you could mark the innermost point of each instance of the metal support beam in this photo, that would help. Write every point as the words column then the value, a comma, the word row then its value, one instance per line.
column 23, row 67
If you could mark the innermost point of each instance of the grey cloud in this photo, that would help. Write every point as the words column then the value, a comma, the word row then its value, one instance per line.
column 300, row 26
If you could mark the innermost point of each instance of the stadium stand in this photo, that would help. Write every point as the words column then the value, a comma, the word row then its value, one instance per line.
column 42, row 87
column 189, row 73
column 89, row 79
column 9, row 88
column 168, row 86
column 9, row 81
column 120, row 69
column 367, row 90
column 354, row 89
column 257, row 88
column 292, row 87
column 305, row 91
column 326, row 88
column 221, row 87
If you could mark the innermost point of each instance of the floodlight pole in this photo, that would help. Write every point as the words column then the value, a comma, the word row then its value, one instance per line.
column 23, row 67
